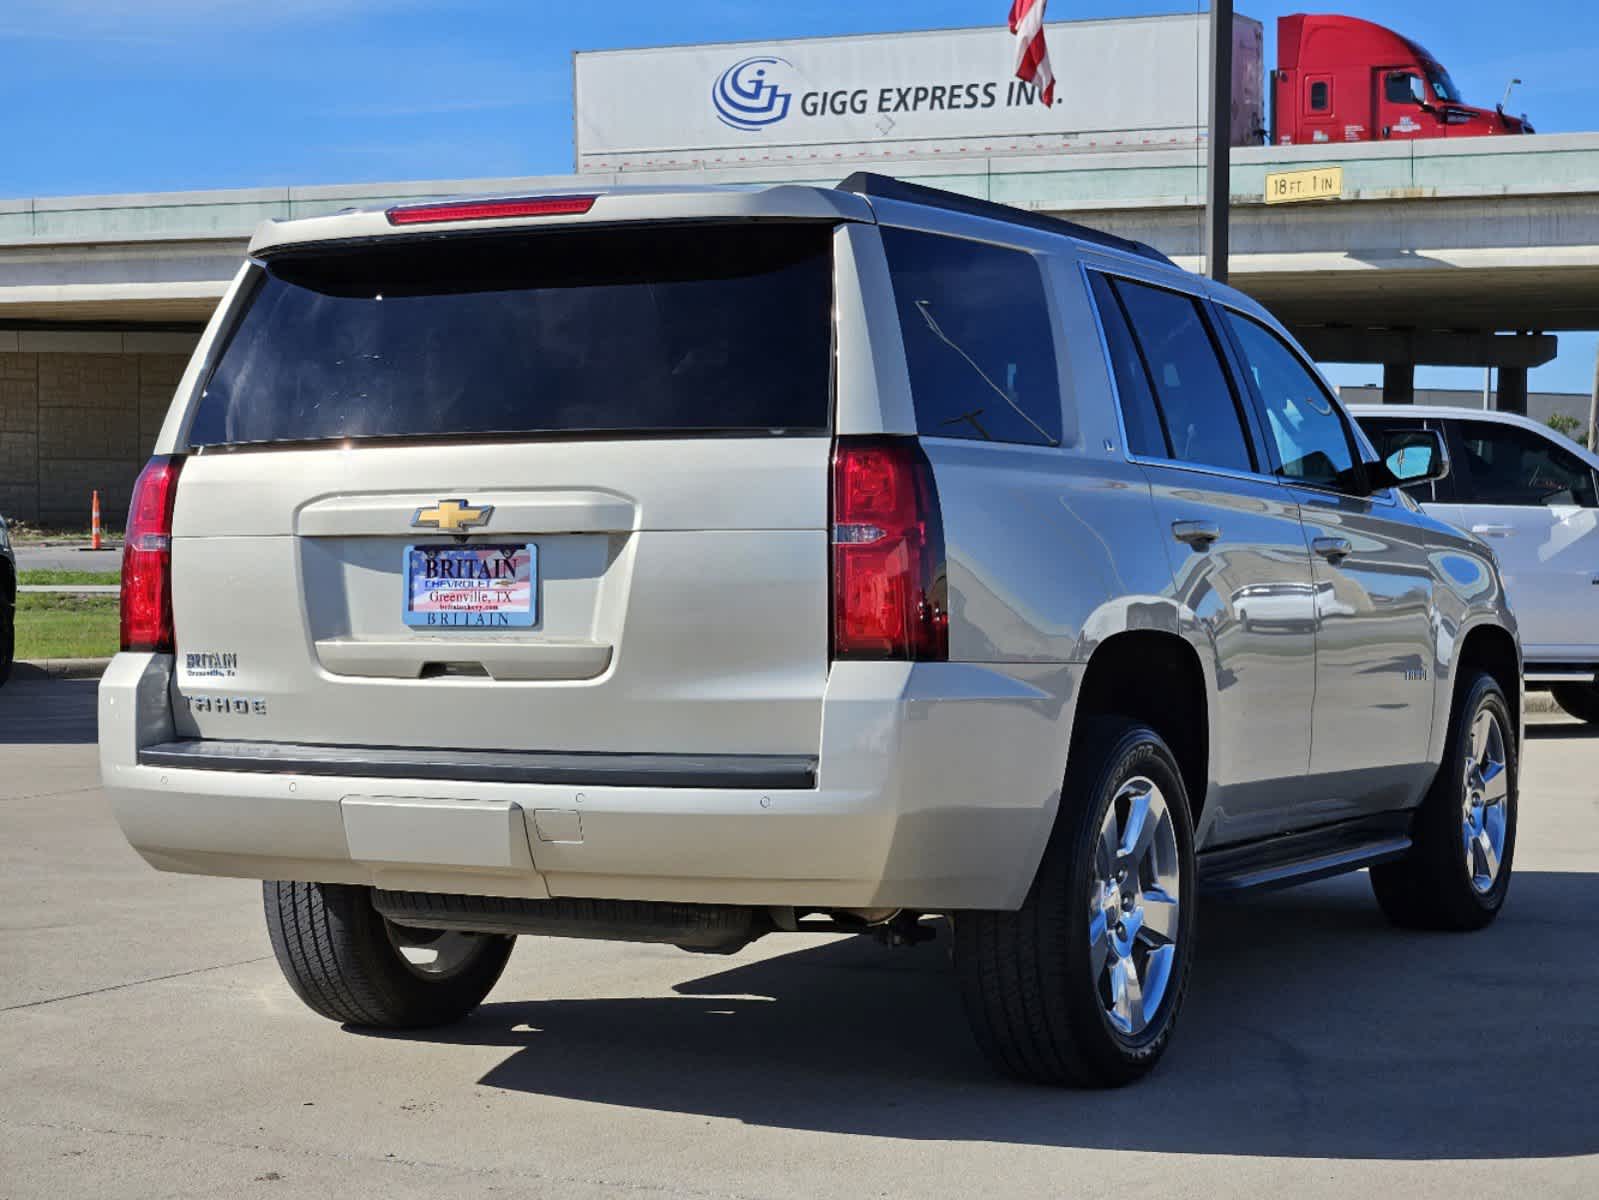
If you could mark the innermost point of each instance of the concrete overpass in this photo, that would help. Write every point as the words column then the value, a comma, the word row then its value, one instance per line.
column 1469, row 252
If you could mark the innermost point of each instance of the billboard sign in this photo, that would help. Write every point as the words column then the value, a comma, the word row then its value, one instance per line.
column 1121, row 83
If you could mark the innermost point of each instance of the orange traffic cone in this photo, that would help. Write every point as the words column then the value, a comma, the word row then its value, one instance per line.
column 94, row 521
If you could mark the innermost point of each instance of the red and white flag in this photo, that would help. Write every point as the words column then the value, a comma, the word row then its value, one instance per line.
column 1032, row 56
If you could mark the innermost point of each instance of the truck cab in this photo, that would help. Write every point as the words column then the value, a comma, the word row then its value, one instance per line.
column 1341, row 79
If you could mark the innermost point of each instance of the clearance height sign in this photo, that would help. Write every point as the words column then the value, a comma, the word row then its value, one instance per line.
column 1121, row 83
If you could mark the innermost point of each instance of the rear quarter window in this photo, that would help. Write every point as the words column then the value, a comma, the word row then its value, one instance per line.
column 979, row 342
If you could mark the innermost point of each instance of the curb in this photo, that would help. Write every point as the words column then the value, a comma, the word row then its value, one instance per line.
column 61, row 668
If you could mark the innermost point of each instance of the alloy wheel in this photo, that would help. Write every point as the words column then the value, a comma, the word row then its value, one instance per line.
column 1134, row 902
column 1484, row 800
column 433, row 953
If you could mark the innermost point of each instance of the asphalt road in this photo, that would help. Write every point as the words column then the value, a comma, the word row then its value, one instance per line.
column 148, row 1046
column 67, row 558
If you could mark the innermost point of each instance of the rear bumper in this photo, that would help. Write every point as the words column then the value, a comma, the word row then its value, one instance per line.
column 488, row 766
column 935, row 788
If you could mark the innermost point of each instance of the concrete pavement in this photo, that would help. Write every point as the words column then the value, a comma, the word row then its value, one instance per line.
column 148, row 1045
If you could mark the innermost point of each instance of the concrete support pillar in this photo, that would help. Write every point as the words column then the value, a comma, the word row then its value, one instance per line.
column 1399, row 383
column 1513, row 390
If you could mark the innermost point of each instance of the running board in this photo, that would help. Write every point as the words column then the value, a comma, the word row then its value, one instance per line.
column 1297, row 858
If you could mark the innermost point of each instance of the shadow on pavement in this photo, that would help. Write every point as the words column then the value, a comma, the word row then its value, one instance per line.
column 1312, row 1029
column 35, row 710
column 1560, row 731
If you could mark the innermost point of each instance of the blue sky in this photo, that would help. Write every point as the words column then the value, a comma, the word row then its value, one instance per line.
column 150, row 95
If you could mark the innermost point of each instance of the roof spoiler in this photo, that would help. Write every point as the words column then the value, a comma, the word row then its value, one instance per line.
column 865, row 183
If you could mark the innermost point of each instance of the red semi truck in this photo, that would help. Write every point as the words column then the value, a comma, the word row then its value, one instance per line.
column 1341, row 79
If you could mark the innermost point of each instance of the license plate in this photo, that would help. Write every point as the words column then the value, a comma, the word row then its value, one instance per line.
column 471, row 587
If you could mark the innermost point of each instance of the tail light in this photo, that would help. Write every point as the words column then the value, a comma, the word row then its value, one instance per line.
column 147, row 559
column 889, row 590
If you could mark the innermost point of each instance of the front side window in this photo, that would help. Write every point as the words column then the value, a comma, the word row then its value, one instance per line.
column 1401, row 87
column 1506, row 464
column 1312, row 442
column 1196, row 400
column 978, row 339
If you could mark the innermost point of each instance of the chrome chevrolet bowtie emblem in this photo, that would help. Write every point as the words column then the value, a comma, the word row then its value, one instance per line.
column 452, row 516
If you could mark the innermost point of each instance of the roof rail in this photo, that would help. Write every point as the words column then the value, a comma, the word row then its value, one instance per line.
column 866, row 183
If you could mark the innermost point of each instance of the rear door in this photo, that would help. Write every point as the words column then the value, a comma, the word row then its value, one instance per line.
column 1535, row 502
column 1240, row 567
column 552, row 491
column 1375, row 619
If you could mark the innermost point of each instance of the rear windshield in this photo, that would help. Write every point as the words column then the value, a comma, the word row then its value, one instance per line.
column 662, row 330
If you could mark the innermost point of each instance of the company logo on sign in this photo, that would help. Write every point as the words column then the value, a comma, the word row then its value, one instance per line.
column 746, row 99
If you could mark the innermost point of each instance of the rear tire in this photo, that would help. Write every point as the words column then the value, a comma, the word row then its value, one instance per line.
column 346, row 961
column 1457, row 871
column 1083, row 984
column 1580, row 700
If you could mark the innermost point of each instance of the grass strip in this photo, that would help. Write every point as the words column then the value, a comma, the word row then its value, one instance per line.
column 67, row 626
column 58, row 578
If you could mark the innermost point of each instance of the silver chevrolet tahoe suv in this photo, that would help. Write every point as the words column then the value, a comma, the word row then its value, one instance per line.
column 690, row 565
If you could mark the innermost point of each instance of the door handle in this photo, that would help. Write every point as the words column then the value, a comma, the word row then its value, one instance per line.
column 1492, row 530
column 1198, row 534
column 1332, row 548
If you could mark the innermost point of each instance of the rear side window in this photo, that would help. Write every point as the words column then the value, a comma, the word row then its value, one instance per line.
column 978, row 339
column 665, row 330
column 1320, row 96
column 1506, row 464
column 1195, row 396
column 1145, row 436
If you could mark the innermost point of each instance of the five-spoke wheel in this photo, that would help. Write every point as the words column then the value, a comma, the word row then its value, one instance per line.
column 1134, row 904
column 1484, row 798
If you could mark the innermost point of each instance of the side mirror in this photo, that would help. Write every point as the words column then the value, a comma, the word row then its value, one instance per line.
column 1418, row 91
column 1407, row 456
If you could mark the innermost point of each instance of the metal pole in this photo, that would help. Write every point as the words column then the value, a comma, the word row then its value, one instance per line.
column 1593, row 407
column 1218, row 182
